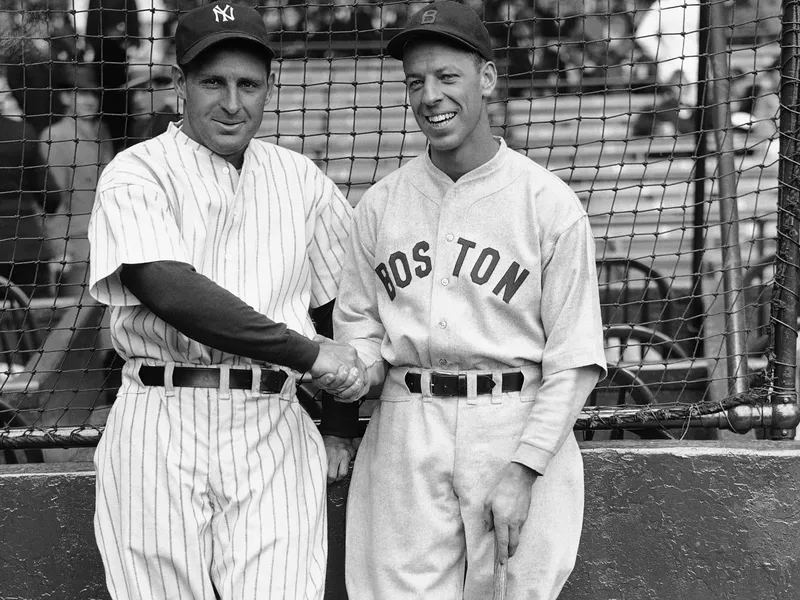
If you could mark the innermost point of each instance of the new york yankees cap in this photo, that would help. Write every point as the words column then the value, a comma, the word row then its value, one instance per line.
column 447, row 19
column 210, row 24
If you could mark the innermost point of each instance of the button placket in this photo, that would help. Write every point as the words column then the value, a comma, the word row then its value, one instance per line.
column 441, row 292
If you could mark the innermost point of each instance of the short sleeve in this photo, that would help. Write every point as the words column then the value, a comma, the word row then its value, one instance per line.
column 130, row 224
column 327, row 249
column 571, row 303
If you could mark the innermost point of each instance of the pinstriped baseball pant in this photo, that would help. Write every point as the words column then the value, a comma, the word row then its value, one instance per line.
column 200, row 495
column 415, row 527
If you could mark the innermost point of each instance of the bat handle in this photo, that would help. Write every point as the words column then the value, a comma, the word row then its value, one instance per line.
column 500, row 573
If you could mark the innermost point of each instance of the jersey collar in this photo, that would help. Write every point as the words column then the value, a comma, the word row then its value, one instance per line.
column 482, row 181
column 174, row 129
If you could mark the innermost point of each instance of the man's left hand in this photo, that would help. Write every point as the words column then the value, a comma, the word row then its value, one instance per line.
column 340, row 452
column 506, row 508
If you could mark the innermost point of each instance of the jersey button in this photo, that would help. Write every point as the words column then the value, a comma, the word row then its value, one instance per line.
column 442, row 362
column 445, row 281
column 449, row 237
column 442, row 324
column 226, row 170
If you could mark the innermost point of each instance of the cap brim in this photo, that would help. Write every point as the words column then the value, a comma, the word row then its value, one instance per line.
column 397, row 44
column 209, row 41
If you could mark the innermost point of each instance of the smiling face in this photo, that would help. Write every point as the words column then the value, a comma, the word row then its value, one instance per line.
column 224, row 92
column 448, row 88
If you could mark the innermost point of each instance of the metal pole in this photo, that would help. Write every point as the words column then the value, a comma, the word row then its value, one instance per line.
column 718, row 95
column 696, row 308
column 784, row 298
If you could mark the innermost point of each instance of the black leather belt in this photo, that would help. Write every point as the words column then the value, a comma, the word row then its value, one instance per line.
column 453, row 384
column 209, row 377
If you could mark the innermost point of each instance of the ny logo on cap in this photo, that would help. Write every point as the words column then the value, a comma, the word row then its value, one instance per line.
column 429, row 16
column 226, row 14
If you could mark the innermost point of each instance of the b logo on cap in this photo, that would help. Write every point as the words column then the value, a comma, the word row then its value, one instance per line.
column 226, row 14
column 428, row 17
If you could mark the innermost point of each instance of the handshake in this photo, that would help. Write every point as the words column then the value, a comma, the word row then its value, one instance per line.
column 339, row 371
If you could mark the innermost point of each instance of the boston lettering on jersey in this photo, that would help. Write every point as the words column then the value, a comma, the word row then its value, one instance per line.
column 396, row 272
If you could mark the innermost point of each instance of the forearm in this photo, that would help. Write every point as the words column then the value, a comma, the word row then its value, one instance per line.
column 555, row 410
column 338, row 418
column 209, row 314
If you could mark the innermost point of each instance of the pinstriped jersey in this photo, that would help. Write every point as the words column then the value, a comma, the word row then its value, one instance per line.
column 272, row 234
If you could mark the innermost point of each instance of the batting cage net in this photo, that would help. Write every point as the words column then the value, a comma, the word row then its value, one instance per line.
column 662, row 116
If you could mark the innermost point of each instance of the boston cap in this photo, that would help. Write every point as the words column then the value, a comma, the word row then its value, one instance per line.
column 210, row 24
column 451, row 20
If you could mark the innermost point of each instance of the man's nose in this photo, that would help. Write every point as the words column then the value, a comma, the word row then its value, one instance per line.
column 431, row 92
column 231, row 102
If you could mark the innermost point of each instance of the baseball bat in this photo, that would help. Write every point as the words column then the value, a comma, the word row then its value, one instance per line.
column 500, row 571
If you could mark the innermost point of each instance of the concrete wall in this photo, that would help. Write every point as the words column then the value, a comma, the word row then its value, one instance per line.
column 664, row 520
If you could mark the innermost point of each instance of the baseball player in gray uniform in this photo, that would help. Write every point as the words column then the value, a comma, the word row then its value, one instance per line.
column 210, row 247
column 469, row 284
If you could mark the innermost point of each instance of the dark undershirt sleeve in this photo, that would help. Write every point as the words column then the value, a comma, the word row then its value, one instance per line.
column 338, row 418
column 211, row 315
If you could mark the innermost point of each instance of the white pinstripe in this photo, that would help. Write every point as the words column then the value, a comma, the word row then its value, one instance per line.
column 196, row 492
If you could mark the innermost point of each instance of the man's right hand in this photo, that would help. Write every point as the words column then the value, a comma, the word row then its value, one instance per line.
column 339, row 370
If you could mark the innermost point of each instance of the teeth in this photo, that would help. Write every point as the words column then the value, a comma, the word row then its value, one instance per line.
column 441, row 118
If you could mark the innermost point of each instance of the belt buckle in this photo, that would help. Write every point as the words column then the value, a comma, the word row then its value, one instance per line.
column 446, row 384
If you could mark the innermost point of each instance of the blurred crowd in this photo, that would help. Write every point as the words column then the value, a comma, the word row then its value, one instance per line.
column 82, row 79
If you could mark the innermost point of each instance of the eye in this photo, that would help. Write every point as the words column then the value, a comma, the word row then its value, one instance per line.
column 414, row 84
column 448, row 77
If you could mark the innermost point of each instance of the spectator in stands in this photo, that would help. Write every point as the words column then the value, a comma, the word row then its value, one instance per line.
column 9, row 106
column 28, row 49
column 559, row 25
column 758, row 113
column 293, row 29
column 26, row 254
column 347, row 28
column 112, row 26
column 153, row 105
column 533, row 65
column 76, row 148
column 669, row 35
column 154, row 45
column 609, row 52
column 384, row 22
column 669, row 116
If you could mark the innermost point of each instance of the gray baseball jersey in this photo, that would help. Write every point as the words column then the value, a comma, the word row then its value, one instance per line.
column 494, row 271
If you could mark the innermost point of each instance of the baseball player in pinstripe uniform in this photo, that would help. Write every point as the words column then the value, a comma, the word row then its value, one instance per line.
column 482, row 311
column 210, row 247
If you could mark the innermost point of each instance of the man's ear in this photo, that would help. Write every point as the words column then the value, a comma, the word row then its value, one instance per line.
column 179, row 82
column 488, row 78
column 270, row 87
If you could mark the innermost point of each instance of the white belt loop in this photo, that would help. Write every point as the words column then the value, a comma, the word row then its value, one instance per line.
column 224, row 382
column 497, row 390
column 169, row 389
column 472, row 388
column 255, row 388
column 289, row 390
column 425, row 385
